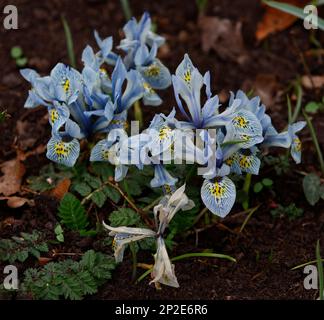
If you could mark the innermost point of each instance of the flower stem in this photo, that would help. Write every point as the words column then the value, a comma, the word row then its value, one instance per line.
column 138, row 114
column 246, row 190
column 134, row 258
column 126, row 9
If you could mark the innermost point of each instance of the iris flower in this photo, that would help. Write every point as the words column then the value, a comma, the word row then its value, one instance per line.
column 163, row 270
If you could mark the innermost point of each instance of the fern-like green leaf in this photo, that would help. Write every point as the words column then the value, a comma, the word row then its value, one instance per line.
column 69, row 279
column 72, row 213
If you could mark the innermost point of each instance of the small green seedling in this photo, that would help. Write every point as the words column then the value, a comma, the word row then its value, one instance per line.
column 266, row 182
column 291, row 211
column 59, row 233
column 314, row 107
column 3, row 116
column 17, row 54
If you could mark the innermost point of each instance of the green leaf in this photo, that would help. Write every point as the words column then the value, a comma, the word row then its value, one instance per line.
column 124, row 217
column 69, row 42
column 112, row 194
column 293, row 10
column 60, row 237
column 134, row 187
column 103, row 169
column 88, row 233
column 68, row 278
column 321, row 191
column 267, row 182
column 320, row 270
column 19, row 248
column 58, row 229
column 59, row 233
column 312, row 107
column 82, row 188
column 89, row 259
column 94, row 182
column 16, row 52
column 258, row 187
column 21, row 62
column 22, row 255
column 311, row 186
column 99, row 198
column 72, row 213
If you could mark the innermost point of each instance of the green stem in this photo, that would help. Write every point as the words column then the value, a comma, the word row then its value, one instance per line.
column 126, row 9
column 134, row 258
column 320, row 270
column 289, row 109
column 138, row 114
column 315, row 141
column 246, row 190
column 69, row 42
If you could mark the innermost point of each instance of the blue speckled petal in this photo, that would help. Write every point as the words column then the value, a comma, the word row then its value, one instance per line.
column 63, row 152
column 219, row 195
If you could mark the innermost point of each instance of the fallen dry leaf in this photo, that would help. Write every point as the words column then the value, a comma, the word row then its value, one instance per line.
column 61, row 189
column 311, row 82
column 275, row 20
column 43, row 260
column 17, row 202
column 224, row 37
column 11, row 222
column 265, row 86
column 13, row 172
column 38, row 150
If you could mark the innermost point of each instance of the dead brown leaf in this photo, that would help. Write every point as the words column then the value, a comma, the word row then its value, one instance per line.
column 17, row 202
column 43, row 260
column 275, row 20
column 224, row 37
column 312, row 82
column 38, row 150
column 13, row 172
column 61, row 189
column 11, row 222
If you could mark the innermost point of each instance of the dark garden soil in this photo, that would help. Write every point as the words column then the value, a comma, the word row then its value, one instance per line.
column 267, row 248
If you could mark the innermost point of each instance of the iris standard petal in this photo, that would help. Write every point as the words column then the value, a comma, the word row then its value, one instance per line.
column 156, row 75
column 162, row 177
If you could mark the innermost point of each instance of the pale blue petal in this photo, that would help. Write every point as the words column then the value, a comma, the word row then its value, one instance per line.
column 61, row 152
column 219, row 196
column 156, row 75
column 162, row 177
column 100, row 152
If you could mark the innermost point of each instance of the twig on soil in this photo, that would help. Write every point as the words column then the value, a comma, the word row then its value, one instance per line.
column 54, row 254
column 141, row 212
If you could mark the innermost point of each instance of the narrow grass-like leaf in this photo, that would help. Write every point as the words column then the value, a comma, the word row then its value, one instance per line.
column 320, row 270
column 69, row 42
column 293, row 10
column 126, row 9
column 191, row 255
column 305, row 264
column 249, row 217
